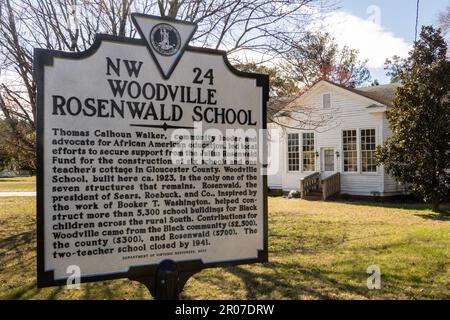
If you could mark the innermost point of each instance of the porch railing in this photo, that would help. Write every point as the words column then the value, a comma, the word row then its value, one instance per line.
column 309, row 183
column 331, row 186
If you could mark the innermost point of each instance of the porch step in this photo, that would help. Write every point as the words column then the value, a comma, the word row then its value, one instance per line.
column 313, row 198
column 314, row 195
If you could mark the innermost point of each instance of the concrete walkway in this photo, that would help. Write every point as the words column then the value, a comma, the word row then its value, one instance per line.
column 17, row 194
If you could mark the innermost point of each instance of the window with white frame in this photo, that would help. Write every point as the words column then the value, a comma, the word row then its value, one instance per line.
column 368, row 147
column 293, row 152
column 350, row 149
column 326, row 101
column 309, row 155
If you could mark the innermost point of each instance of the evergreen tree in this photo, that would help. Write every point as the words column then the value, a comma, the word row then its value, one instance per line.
column 418, row 153
column 394, row 67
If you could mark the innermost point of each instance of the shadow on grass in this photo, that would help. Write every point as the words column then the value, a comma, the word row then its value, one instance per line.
column 115, row 289
column 435, row 216
column 443, row 214
column 286, row 280
column 22, row 291
column 100, row 290
column 266, row 283
column 341, row 279
column 13, row 249
column 282, row 244
column 291, row 281
column 18, row 276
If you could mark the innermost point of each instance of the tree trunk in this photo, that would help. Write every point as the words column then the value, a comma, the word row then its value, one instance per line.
column 436, row 204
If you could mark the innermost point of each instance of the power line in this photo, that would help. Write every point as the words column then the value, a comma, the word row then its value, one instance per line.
column 417, row 19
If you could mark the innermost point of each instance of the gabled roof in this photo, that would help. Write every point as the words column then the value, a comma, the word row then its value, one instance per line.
column 382, row 94
column 276, row 106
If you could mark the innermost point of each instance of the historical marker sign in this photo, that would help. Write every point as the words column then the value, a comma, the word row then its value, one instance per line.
column 148, row 151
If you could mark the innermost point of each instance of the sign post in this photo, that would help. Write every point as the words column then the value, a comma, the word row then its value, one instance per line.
column 151, row 160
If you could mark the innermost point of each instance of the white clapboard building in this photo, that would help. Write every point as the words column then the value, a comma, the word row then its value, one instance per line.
column 328, row 140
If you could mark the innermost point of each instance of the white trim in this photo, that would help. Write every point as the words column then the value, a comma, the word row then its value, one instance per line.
column 314, row 152
column 331, row 100
column 300, row 145
column 322, row 156
column 350, row 173
column 321, row 83
column 360, row 151
column 299, row 153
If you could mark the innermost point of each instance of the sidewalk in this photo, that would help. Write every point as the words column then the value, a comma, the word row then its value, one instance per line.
column 17, row 194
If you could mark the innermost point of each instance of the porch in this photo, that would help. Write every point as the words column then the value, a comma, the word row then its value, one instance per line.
column 314, row 188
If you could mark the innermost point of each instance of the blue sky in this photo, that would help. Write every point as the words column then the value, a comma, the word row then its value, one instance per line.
column 398, row 16
column 387, row 29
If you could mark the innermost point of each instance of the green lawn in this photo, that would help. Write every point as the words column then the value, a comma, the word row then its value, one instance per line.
column 21, row 184
column 317, row 251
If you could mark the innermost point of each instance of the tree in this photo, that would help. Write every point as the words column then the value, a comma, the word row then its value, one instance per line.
column 13, row 156
column 6, row 158
column 263, row 26
column 394, row 68
column 317, row 57
column 418, row 153
column 266, row 27
column 444, row 20
column 68, row 25
column 283, row 90
column 280, row 86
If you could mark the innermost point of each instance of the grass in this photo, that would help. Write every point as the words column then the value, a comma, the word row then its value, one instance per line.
column 318, row 250
column 20, row 184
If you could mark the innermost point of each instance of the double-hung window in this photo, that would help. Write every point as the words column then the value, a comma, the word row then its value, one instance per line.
column 368, row 147
column 309, row 154
column 293, row 152
column 350, row 149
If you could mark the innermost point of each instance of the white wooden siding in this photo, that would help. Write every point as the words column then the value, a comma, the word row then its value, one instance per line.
column 350, row 112
column 275, row 158
column 391, row 186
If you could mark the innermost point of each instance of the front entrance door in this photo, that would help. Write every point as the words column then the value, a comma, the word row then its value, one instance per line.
column 328, row 162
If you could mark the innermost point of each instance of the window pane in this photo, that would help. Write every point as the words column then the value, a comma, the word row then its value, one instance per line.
column 368, row 147
column 349, row 144
column 326, row 101
column 293, row 152
column 309, row 155
column 329, row 160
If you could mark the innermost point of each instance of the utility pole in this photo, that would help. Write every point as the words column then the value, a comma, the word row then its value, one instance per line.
column 417, row 19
